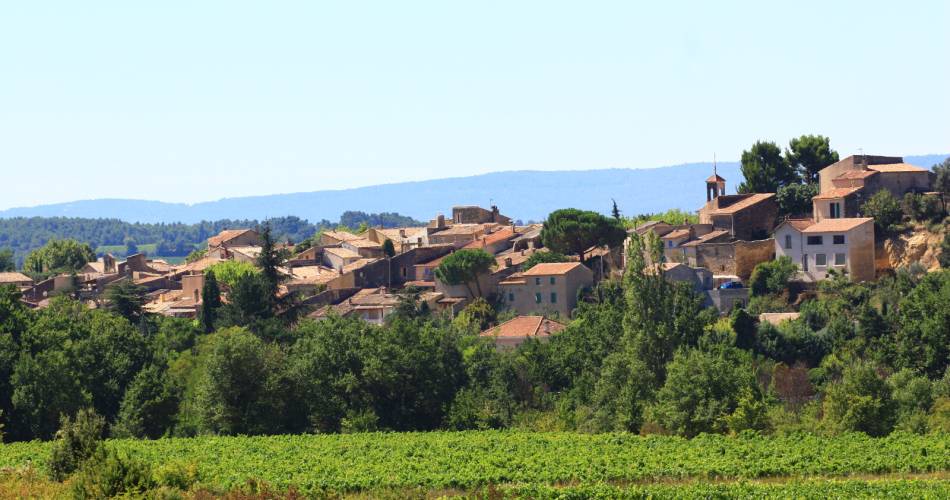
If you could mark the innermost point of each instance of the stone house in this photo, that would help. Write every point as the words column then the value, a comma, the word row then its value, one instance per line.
column 470, row 214
column 817, row 247
column 745, row 216
column 235, row 238
column 495, row 241
column 19, row 280
column 339, row 257
column 365, row 248
column 549, row 288
column 874, row 173
column 459, row 235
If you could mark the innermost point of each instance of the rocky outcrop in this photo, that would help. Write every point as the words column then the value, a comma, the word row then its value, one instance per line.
column 915, row 245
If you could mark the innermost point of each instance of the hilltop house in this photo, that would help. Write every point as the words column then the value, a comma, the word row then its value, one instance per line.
column 818, row 247
column 847, row 184
column 546, row 288
column 732, row 235
column 235, row 238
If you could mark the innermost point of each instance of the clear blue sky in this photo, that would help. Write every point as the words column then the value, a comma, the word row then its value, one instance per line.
column 199, row 100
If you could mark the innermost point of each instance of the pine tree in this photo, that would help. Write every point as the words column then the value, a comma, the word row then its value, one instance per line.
column 210, row 302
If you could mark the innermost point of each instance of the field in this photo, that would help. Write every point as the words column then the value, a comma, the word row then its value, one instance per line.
column 552, row 464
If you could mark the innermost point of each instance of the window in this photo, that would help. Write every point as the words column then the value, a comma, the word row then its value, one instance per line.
column 511, row 297
column 838, row 239
column 814, row 240
column 805, row 262
column 835, row 209
column 553, row 298
column 821, row 259
column 537, row 298
column 788, row 241
column 669, row 244
column 552, row 280
column 537, row 281
column 840, row 259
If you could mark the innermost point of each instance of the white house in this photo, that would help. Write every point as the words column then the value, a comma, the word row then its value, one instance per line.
column 818, row 247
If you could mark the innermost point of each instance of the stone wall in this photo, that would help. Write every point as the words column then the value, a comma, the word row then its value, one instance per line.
column 737, row 258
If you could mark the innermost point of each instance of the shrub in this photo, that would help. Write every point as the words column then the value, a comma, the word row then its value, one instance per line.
column 76, row 441
column 772, row 276
column 110, row 474
column 861, row 402
column 922, row 208
column 885, row 209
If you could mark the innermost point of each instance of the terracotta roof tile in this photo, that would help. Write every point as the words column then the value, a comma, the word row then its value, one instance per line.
column 719, row 233
column 897, row 167
column 225, row 236
column 13, row 277
column 715, row 178
column 837, row 225
column 523, row 327
column 549, row 268
column 748, row 202
column 836, row 193
column 857, row 174
column 679, row 233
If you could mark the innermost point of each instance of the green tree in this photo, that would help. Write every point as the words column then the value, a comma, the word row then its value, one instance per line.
column 131, row 248
column 615, row 211
column 541, row 258
column 148, row 407
column 765, row 170
column 942, row 180
column 6, row 260
column 126, row 299
column 58, row 256
column 795, row 199
column 210, row 302
column 772, row 276
column 249, row 301
column 77, row 440
column 44, row 387
column 922, row 337
column 268, row 261
column 196, row 255
column 243, row 385
column 572, row 232
column 913, row 396
column 464, row 268
column 702, row 392
column 810, row 153
column 229, row 272
column 660, row 316
column 860, row 402
column 885, row 209
column 389, row 250
column 944, row 257
column 477, row 315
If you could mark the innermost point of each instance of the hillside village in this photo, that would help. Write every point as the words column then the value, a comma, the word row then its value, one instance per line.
column 366, row 275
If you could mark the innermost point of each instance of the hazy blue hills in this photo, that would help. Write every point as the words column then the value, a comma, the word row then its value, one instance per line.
column 526, row 195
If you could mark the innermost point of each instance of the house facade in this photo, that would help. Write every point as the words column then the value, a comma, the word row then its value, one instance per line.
column 845, row 245
column 549, row 288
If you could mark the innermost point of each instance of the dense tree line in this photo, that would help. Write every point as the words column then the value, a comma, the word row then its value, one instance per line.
column 642, row 355
column 24, row 234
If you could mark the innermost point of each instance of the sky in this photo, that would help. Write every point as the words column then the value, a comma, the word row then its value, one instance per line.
column 195, row 101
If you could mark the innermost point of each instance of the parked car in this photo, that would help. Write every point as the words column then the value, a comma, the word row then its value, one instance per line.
column 730, row 284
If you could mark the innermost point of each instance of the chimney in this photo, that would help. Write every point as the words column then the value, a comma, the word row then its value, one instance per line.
column 508, row 261
column 402, row 233
column 440, row 221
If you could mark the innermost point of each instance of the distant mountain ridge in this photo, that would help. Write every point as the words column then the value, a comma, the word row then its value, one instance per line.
column 525, row 195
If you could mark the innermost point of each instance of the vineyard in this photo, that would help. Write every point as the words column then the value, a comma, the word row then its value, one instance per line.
column 546, row 464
